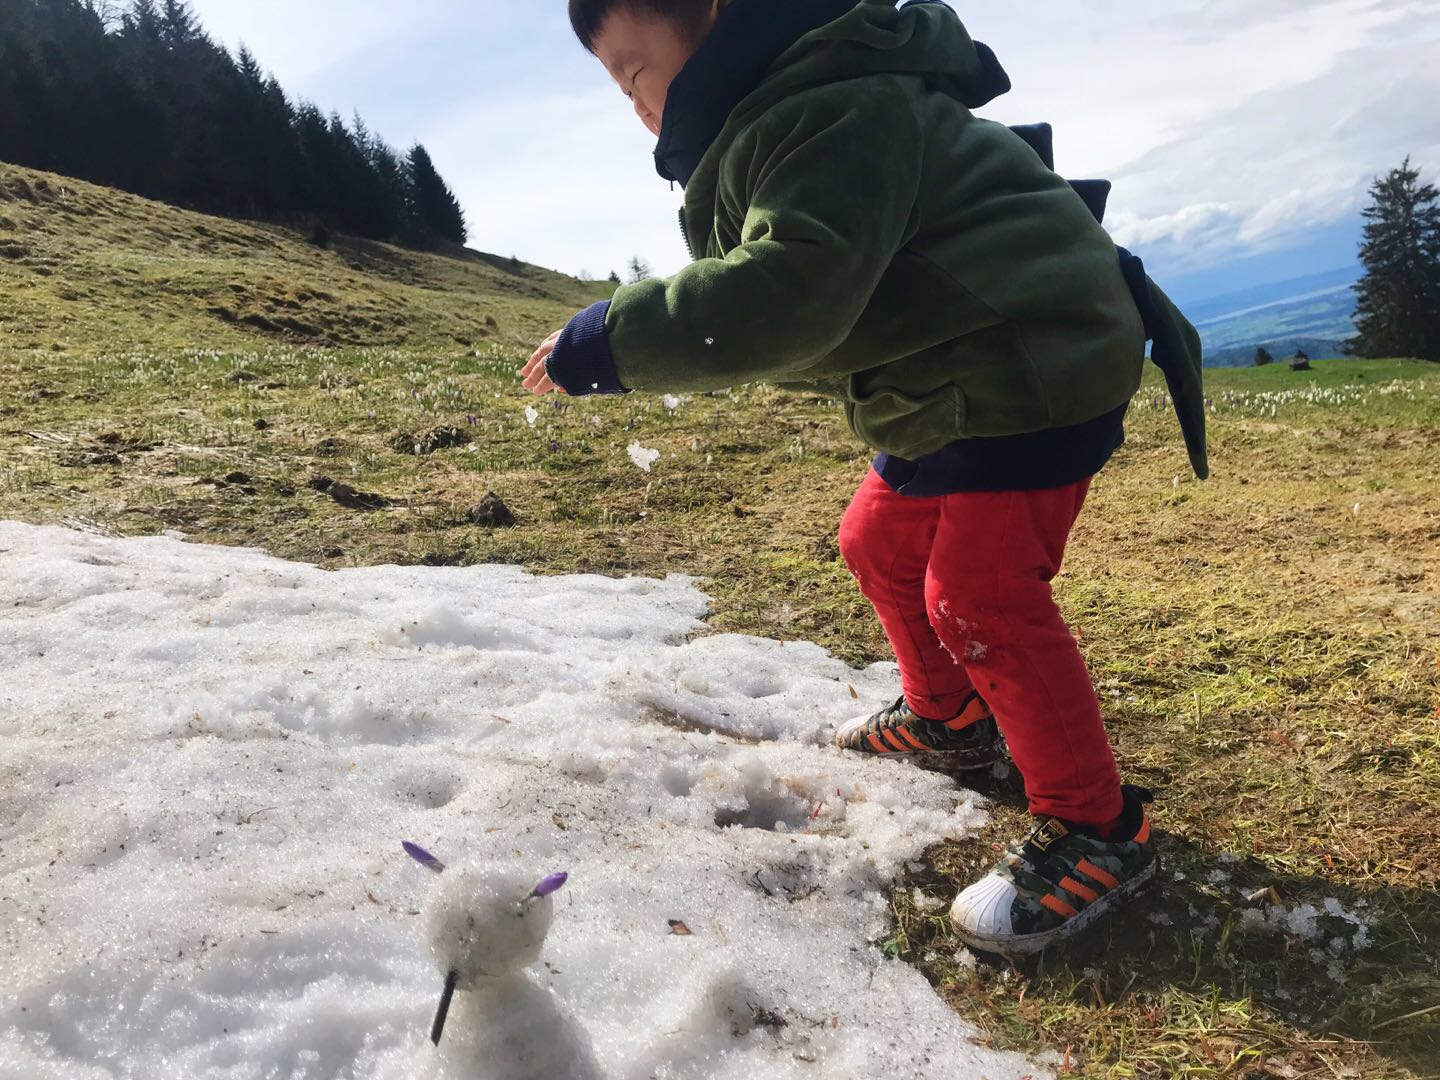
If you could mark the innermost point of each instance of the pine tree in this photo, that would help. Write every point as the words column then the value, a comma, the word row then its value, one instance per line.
column 134, row 94
column 250, row 70
column 1397, row 310
column 177, row 23
column 143, row 20
column 639, row 269
column 1263, row 357
column 614, row 278
column 433, row 205
column 26, row 124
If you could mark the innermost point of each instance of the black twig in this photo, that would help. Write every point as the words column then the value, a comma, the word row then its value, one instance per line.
column 438, row 1028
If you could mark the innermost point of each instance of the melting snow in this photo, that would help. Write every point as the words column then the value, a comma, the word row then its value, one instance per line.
column 211, row 756
column 1309, row 923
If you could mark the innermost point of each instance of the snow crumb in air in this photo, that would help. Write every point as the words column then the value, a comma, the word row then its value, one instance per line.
column 643, row 457
column 211, row 757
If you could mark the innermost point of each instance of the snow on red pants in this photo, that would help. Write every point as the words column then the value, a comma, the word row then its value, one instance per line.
column 962, row 587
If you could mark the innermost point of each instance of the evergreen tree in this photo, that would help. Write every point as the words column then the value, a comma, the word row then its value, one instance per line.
column 1398, row 301
column 134, row 94
column 143, row 21
column 177, row 23
column 614, row 278
column 639, row 269
column 250, row 70
column 26, row 122
column 1263, row 357
column 433, row 205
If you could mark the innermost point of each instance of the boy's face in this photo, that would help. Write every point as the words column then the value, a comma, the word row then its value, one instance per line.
column 643, row 52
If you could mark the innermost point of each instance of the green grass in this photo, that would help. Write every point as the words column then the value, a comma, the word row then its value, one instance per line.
column 1265, row 644
column 91, row 268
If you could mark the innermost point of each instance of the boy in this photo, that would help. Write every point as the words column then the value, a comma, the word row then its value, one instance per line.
column 857, row 230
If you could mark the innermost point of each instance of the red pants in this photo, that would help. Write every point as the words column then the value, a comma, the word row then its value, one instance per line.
column 962, row 586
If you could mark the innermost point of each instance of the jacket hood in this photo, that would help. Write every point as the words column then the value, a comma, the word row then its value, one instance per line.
column 761, row 50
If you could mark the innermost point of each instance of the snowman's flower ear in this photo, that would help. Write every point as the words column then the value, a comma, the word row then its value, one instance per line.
column 423, row 857
column 552, row 884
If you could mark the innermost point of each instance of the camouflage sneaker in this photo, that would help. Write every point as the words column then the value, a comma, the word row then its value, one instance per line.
column 1056, row 883
column 969, row 741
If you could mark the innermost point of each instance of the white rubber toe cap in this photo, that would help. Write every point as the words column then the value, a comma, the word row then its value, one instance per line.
column 983, row 910
column 850, row 727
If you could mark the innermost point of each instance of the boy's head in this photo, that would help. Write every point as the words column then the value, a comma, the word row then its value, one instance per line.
column 644, row 44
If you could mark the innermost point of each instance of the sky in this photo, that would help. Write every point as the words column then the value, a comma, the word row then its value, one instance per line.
column 1242, row 135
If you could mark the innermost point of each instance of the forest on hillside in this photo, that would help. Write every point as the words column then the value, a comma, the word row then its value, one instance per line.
column 136, row 95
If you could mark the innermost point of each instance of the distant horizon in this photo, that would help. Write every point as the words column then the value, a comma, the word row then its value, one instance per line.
column 1352, row 272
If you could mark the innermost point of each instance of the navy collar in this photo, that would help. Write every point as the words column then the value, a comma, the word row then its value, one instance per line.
column 748, row 37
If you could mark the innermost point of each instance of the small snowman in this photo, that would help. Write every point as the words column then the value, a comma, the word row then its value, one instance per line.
column 486, row 925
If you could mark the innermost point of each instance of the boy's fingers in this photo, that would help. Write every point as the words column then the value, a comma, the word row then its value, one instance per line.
column 537, row 358
column 534, row 375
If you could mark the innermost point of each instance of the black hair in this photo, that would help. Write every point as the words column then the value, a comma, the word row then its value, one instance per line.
column 587, row 17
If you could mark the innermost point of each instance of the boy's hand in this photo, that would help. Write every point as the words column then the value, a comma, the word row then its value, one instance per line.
column 534, row 375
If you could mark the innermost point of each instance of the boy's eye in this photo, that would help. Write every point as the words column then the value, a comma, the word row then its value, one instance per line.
column 630, row 93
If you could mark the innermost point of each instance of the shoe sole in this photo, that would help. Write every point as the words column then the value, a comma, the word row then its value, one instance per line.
column 945, row 759
column 1026, row 944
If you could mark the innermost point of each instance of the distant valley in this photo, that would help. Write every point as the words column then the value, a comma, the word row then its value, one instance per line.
column 1313, row 313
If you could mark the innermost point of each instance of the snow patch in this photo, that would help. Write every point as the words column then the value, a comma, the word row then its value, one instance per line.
column 211, row 757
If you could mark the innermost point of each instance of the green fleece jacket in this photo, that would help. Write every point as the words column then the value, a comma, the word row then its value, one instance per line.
column 858, row 231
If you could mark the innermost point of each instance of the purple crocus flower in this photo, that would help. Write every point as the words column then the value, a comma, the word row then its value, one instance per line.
column 552, row 884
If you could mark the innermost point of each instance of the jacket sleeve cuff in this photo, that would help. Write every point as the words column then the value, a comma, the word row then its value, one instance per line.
column 581, row 363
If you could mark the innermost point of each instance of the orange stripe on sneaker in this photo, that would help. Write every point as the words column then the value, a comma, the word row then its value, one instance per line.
column 1070, row 885
column 895, row 741
column 1094, row 873
column 878, row 745
column 911, row 739
column 1060, row 907
column 1143, row 836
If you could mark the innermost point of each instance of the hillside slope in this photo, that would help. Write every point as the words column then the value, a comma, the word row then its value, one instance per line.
column 83, row 267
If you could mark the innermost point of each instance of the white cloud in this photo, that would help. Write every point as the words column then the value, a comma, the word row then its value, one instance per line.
column 1229, row 126
column 565, row 180
column 1232, row 128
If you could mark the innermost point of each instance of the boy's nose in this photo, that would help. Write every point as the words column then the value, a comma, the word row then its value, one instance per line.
column 651, row 122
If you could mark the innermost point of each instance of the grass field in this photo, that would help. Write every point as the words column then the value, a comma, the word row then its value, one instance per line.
column 1265, row 643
